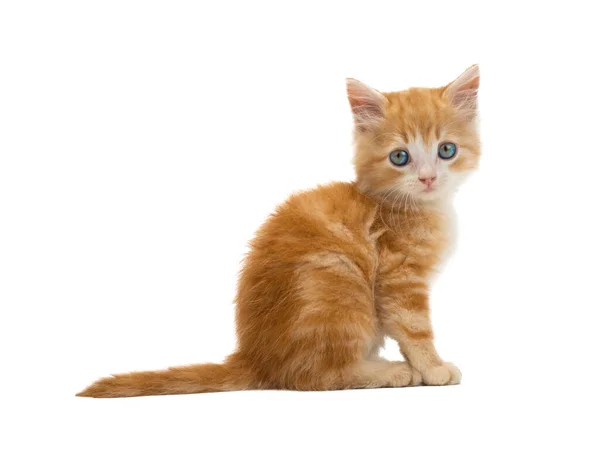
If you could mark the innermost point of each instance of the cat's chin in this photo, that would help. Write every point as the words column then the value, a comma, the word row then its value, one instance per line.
column 431, row 195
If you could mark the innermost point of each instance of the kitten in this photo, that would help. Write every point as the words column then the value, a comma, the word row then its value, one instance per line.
column 336, row 269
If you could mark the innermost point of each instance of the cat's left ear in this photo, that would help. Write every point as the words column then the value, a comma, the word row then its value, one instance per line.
column 463, row 91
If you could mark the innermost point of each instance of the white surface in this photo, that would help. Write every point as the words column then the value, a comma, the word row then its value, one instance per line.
column 142, row 143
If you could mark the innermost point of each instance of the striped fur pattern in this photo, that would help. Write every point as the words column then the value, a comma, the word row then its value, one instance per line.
column 336, row 269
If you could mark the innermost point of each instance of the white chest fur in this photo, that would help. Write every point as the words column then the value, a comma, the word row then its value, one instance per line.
column 450, row 222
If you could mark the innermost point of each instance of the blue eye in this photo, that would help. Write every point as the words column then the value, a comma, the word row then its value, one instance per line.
column 447, row 151
column 399, row 157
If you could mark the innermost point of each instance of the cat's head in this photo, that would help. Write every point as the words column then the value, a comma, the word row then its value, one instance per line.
column 420, row 143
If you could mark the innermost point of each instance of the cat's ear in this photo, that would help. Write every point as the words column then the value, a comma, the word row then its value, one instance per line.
column 463, row 91
column 367, row 104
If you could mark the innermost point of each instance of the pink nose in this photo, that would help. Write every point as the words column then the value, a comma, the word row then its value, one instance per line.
column 427, row 181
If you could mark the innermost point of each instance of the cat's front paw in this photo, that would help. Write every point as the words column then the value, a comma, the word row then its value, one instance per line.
column 444, row 374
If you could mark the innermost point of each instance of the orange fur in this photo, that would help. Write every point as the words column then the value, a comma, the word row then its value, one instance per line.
column 336, row 269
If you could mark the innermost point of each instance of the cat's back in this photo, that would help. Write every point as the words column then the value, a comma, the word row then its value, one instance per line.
column 325, row 217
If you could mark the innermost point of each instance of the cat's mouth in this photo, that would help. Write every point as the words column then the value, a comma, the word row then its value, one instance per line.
column 429, row 189
column 429, row 193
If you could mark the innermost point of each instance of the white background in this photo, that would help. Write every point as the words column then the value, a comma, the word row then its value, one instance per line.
column 142, row 143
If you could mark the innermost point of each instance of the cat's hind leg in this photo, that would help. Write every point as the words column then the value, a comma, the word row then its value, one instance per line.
column 331, row 342
column 381, row 373
column 365, row 374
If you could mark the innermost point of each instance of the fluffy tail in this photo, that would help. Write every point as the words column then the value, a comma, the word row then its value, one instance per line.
column 209, row 377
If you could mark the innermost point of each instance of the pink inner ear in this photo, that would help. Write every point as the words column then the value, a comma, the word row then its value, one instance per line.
column 364, row 106
column 472, row 84
column 464, row 97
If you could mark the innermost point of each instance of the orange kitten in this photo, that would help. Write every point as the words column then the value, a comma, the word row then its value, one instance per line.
column 336, row 269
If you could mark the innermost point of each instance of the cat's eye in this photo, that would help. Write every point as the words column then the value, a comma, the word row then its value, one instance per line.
column 447, row 150
column 399, row 157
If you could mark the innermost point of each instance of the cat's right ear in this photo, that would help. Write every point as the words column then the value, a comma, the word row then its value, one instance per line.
column 367, row 104
column 463, row 92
